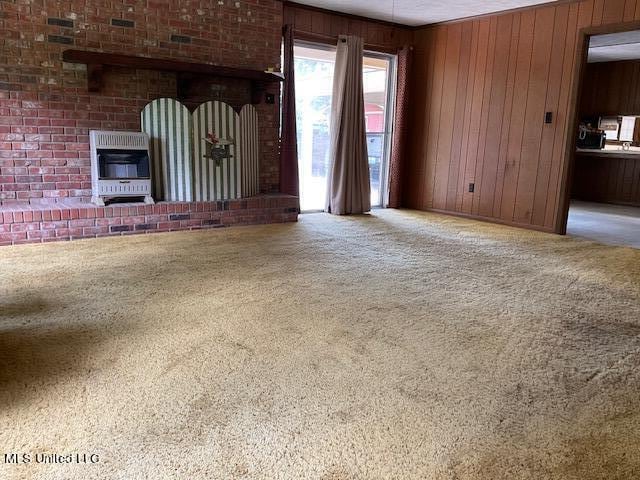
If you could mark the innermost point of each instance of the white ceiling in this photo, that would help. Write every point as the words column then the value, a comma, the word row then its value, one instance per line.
column 615, row 46
column 420, row 12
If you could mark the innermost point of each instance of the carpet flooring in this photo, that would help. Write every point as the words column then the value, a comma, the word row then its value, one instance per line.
column 399, row 345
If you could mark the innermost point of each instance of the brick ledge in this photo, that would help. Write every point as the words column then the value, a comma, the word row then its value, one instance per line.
column 74, row 220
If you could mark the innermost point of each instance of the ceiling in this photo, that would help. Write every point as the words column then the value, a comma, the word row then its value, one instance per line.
column 615, row 46
column 419, row 12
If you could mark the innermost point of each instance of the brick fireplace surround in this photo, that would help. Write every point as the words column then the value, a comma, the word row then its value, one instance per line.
column 46, row 111
column 71, row 220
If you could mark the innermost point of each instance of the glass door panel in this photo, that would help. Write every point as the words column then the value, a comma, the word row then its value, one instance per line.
column 314, row 66
column 379, row 92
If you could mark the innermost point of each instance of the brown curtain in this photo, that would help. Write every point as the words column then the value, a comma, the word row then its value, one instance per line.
column 400, row 131
column 288, row 142
column 348, row 187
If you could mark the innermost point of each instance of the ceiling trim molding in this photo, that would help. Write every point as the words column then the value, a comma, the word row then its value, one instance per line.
column 611, row 28
column 333, row 40
column 591, row 30
column 427, row 25
column 496, row 14
column 351, row 16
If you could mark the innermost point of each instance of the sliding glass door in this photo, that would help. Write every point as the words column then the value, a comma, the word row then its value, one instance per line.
column 314, row 82
column 379, row 94
column 314, row 66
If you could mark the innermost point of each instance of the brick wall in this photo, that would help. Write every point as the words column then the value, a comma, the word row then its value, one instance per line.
column 46, row 111
column 56, row 222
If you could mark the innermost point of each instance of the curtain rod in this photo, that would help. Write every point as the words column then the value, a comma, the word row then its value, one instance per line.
column 333, row 39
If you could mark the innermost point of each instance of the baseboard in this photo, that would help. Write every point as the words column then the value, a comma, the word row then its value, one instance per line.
column 481, row 218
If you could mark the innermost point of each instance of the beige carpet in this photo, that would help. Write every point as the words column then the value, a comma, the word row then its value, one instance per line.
column 394, row 346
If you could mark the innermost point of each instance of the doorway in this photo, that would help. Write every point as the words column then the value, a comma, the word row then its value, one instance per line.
column 604, row 188
column 314, row 65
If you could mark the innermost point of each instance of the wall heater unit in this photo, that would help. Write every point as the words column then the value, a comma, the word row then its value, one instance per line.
column 119, row 166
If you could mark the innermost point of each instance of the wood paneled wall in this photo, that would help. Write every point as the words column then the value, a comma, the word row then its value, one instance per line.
column 480, row 91
column 611, row 88
column 315, row 23
column 607, row 178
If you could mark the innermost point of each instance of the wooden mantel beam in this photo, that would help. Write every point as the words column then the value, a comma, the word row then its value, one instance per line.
column 96, row 61
column 147, row 63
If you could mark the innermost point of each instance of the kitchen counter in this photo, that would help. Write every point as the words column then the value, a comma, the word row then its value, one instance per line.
column 613, row 152
column 609, row 175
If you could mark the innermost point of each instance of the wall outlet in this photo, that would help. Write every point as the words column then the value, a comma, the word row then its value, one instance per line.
column 472, row 187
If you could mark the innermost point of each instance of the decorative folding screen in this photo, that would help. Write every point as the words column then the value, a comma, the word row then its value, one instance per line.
column 216, row 181
column 168, row 124
column 182, row 171
column 249, row 150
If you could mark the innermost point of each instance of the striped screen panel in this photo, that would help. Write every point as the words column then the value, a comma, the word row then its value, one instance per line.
column 213, row 181
column 168, row 124
column 249, row 145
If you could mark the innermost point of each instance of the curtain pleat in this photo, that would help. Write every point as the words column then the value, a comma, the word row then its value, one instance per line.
column 401, row 129
column 348, row 184
column 288, row 142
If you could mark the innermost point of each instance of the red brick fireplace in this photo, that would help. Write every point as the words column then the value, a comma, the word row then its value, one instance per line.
column 47, row 110
column 69, row 220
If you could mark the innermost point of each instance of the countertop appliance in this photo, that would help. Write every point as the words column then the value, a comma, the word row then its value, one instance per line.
column 590, row 139
column 610, row 126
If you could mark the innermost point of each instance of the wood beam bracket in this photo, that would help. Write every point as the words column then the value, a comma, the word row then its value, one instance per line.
column 94, row 77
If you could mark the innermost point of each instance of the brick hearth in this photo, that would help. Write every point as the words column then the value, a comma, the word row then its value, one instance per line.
column 70, row 220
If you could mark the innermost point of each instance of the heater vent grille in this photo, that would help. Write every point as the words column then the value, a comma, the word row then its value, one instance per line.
column 115, row 188
column 126, row 140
